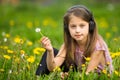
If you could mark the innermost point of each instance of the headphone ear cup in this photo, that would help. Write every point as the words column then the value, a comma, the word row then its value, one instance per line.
column 66, row 28
column 91, row 26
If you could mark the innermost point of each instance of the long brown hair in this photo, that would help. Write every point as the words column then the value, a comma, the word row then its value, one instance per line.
column 70, row 43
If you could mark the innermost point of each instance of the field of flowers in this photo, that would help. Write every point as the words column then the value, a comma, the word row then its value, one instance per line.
column 20, row 48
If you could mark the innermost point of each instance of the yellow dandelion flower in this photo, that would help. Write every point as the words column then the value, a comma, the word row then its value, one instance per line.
column 5, row 47
column 116, row 72
column 17, row 60
column 10, row 51
column 29, row 24
column 117, row 54
column 38, row 50
column 21, row 41
column 87, row 59
column 6, row 57
column 18, row 40
column 31, row 59
column 104, row 71
column 108, row 75
column 108, row 63
column 41, row 49
column 22, row 52
column 113, row 56
column 45, row 22
column 29, row 43
column 2, row 70
column 108, row 35
column 7, row 35
column 83, row 65
column 103, row 23
column 12, row 23
column 59, row 69
column 115, row 39
column 96, row 68
column 71, row 67
column 56, row 69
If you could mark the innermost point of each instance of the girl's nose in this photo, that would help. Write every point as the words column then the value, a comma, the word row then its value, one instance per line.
column 78, row 29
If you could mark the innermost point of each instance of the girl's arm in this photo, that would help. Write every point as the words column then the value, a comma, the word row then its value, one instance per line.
column 57, row 61
column 52, row 61
column 96, row 58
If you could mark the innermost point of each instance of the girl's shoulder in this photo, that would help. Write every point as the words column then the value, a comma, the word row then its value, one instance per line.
column 100, row 44
column 63, row 46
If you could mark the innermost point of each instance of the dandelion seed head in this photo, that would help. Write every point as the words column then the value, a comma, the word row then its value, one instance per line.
column 37, row 30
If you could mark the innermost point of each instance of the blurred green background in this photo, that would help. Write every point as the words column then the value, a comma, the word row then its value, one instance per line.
column 20, row 48
column 21, row 17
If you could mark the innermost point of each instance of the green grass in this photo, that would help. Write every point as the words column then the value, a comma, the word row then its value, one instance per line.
column 25, row 18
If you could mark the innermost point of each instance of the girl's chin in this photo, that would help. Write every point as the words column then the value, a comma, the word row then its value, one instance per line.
column 79, row 39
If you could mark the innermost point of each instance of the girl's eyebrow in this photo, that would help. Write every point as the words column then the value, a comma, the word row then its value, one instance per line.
column 71, row 24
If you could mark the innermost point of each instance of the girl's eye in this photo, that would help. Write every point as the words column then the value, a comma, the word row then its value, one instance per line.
column 73, row 26
column 82, row 26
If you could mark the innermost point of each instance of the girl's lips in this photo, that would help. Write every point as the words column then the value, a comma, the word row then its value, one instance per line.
column 77, row 35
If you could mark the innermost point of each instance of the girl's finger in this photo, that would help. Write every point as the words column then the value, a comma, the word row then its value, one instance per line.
column 47, row 42
column 44, row 39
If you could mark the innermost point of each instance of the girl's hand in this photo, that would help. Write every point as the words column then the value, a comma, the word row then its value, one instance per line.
column 64, row 75
column 46, row 43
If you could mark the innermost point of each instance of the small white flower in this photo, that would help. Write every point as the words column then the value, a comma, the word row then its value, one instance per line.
column 5, row 39
column 22, row 55
column 10, row 71
column 37, row 30
column 40, row 64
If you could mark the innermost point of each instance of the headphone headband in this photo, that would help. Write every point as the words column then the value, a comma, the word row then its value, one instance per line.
column 82, row 7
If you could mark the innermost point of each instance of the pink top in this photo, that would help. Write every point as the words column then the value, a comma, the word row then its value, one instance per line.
column 79, row 56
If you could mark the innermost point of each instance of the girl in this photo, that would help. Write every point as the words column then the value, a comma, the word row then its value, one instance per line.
column 81, row 40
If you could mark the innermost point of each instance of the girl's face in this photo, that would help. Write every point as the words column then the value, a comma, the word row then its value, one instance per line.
column 78, row 28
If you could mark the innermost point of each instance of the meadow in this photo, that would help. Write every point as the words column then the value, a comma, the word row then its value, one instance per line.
column 20, row 48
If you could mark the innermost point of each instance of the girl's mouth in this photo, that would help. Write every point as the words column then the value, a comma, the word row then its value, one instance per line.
column 78, row 36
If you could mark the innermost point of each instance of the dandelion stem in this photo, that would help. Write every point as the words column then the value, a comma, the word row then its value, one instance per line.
column 41, row 34
column 4, row 63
